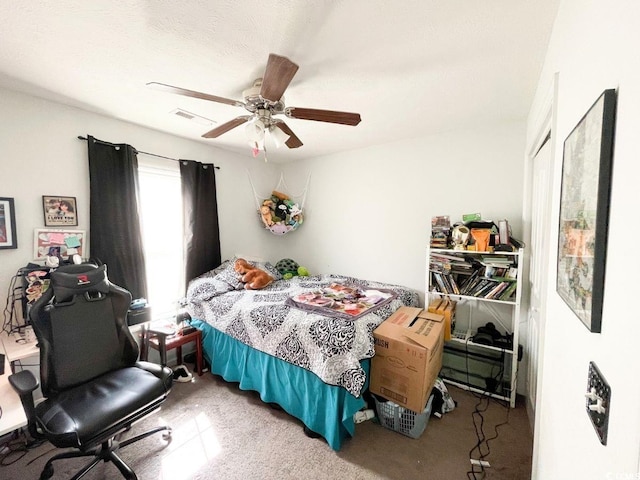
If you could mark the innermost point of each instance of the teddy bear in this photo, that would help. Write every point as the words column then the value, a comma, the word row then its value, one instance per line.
column 252, row 277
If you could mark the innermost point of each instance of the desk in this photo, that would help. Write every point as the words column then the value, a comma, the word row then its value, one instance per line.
column 17, row 351
column 13, row 416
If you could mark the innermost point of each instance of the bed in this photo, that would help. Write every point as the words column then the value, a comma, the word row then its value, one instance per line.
column 292, row 343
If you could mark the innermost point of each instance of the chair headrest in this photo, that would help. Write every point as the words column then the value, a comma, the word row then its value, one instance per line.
column 73, row 280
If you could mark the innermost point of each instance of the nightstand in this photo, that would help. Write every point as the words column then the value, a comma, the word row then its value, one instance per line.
column 163, row 339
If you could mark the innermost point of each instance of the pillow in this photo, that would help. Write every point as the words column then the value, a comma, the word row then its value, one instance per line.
column 270, row 269
column 229, row 276
column 220, row 268
column 201, row 289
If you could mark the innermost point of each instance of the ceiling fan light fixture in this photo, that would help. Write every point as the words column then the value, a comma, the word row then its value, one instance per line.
column 279, row 137
column 254, row 131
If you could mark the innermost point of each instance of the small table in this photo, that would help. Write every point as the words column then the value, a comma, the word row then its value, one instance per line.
column 163, row 339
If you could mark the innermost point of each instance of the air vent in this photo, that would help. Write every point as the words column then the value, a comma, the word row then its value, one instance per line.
column 192, row 116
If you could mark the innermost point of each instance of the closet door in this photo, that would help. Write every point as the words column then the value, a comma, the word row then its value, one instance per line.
column 538, row 266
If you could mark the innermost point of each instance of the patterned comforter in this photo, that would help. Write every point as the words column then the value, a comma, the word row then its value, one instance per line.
column 329, row 347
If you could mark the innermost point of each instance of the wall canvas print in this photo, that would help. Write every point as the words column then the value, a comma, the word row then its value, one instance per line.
column 584, row 211
column 8, row 238
column 59, row 211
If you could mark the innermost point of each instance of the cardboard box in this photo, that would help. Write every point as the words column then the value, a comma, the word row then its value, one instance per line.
column 446, row 308
column 408, row 357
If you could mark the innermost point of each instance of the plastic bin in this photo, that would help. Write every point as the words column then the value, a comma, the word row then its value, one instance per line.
column 401, row 420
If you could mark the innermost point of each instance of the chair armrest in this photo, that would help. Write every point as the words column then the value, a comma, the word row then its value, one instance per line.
column 159, row 371
column 23, row 382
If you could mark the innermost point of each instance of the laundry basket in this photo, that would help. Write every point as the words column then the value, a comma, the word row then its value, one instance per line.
column 401, row 420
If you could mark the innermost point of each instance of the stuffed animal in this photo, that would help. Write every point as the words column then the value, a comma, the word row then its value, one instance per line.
column 241, row 266
column 252, row 277
column 289, row 268
column 265, row 213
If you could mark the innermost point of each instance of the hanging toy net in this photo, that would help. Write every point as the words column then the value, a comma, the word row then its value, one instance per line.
column 280, row 214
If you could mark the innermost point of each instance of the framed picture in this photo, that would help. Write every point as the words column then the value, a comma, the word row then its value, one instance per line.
column 8, row 237
column 584, row 211
column 59, row 211
column 58, row 243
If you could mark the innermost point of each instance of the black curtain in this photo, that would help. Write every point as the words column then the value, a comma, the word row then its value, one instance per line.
column 114, row 229
column 200, row 213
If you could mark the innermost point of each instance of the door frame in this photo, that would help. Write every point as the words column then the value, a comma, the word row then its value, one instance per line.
column 544, row 122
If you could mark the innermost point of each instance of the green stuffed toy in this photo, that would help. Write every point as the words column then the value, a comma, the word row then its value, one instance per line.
column 289, row 268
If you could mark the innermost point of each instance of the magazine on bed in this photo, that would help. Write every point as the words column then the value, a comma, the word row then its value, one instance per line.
column 344, row 301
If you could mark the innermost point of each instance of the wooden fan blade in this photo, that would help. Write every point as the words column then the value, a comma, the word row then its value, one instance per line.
column 191, row 93
column 294, row 141
column 225, row 127
column 344, row 118
column 277, row 76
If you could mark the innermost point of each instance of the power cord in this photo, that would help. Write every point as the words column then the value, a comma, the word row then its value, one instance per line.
column 17, row 447
column 14, row 293
column 478, row 419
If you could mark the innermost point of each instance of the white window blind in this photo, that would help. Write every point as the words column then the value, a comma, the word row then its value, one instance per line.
column 161, row 218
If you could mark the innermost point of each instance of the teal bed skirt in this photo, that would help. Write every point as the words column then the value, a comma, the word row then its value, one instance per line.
column 325, row 409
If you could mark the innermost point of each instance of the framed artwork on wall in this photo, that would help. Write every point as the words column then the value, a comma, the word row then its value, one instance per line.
column 8, row 237
column 60, row 243
column 584, row 211
column 59, row 211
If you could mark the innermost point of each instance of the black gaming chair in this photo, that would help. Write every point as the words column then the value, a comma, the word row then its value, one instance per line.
column 93, row 385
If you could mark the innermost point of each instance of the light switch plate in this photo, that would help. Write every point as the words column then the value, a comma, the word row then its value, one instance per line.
column 598, row 397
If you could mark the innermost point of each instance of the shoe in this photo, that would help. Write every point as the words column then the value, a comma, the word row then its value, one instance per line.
column 181, row 374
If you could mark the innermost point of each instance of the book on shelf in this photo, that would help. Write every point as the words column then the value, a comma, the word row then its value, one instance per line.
column 437, row 276
column 484, row 291
column 470, row 283
column 496, row 261
column 497, row 290
column 480, row 285
column 447, row 256
column 508, row 292
column 503, row 279
column 445, row 283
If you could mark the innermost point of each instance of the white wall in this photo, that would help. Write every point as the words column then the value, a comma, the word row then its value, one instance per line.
column 368, row 212
column 40, row 155
column 593, row 48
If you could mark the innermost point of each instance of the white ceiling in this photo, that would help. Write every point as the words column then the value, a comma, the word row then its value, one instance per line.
column 408, row 67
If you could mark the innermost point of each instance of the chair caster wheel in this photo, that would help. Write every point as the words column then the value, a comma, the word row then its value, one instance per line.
column 166, row 435
column 47, row 472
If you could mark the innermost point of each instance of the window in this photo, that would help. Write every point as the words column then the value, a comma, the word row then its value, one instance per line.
column 161, row 218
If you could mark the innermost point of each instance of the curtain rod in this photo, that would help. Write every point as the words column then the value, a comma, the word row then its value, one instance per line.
column 80, row 137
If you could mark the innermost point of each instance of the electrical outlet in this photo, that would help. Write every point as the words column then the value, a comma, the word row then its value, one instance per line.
column 598, row 402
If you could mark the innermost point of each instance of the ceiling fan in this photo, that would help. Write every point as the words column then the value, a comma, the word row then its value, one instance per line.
column 264, row 100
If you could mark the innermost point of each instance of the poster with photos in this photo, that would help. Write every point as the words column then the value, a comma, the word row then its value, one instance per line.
column 58, row 243
column 59, row 211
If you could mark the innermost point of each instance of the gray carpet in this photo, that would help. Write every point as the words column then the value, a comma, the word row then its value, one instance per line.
column 221, row 432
